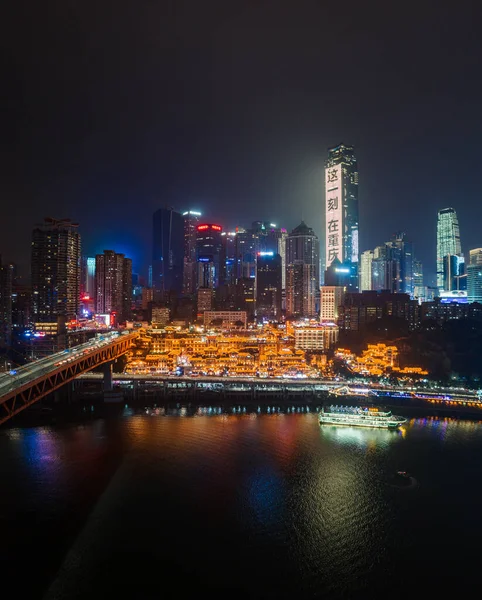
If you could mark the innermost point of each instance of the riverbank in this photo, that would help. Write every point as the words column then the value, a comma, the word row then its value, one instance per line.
column 51, row 412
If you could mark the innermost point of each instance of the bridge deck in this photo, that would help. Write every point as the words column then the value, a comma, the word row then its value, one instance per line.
column 23, row 387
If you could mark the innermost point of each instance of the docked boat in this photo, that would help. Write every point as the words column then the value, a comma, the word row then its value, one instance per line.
column 360, row 416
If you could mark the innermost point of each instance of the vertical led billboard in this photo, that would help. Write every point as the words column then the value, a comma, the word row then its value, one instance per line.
column 333, row 215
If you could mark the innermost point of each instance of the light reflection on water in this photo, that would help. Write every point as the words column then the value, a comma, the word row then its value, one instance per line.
column 362, row 437
column 309, row 509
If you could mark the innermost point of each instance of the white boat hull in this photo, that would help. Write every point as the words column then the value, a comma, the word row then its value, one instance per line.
column 360, row 423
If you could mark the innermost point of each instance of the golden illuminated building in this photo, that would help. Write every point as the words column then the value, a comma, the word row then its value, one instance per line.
column 377, row 360
column 266, row 352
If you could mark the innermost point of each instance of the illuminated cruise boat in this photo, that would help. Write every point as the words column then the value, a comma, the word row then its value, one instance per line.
column 361, row 416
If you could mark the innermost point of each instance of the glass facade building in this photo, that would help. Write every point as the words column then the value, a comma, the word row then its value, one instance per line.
column 268, row 285
column 448, row 240
column 191, row 221
column 474, row 276
column 302, row 271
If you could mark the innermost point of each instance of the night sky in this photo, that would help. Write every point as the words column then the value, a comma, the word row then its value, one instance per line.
column 110, row 110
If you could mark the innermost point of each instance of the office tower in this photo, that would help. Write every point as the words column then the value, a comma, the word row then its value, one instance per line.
column 451, row 272
column 274, row 240
column 419, row 290
column 282, row 252
column 6, row 280
column 229, row 242
column 247, row 247
column 302, row 271
column 391, row 266
column 167, row 251
column 448, row 240
column 191, row 221
column 87, row 278
column 113, row 284
column 379, row 268
column 331, row 299
column 55, row 266
column 475, row 256
column 268, row 286
column 474, row 276
column 417, row 273
column 402, row 251
column 341, row 210
column 365, row 271
column 210, row 257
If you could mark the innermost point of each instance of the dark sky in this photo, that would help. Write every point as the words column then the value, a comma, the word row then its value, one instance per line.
column 110, row 110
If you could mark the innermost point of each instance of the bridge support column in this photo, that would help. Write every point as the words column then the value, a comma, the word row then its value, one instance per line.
column 107, row 370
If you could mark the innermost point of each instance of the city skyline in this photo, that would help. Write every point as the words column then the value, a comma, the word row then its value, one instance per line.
column 180, row 239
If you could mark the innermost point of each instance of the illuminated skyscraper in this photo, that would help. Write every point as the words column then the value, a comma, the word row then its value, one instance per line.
column 268, row 285
column 302, row 271
column 191, row 221
column 87, row 279
column 210, row 256
column 113, row 284
column 167, row 250
column 341, row 210
column 448, row 240
column 55, row 270
column 247, row 247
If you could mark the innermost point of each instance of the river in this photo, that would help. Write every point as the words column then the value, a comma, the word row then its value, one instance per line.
column 239, row 505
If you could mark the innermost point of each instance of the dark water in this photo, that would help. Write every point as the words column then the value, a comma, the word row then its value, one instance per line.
column 241, row 506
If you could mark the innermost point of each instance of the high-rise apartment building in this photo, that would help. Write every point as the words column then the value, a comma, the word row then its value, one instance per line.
column 302, row 272
column 448, row 240
column 167, row 250
column 341, row 210
column 113, row 284
column 55, row 267
column 6, row 280
column 191, row 221
column 331, row 298
column 268, row 285
column 205, row 297
column 474, row 276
